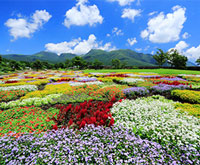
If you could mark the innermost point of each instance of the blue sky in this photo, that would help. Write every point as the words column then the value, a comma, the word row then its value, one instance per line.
column 76, row 26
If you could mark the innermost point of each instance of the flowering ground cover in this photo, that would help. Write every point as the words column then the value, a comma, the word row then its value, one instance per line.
column 68, row 117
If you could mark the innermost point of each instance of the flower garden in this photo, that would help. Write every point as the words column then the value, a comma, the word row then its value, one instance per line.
column 72, row 117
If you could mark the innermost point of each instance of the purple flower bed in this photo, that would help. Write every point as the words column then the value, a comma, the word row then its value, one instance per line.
column 165, row 88
column 86, row 79
column 140, row 91
column 172, row 79
column 92, row 145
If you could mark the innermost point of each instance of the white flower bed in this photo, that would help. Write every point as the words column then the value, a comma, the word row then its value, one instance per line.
column 158, row 120
column 1, row 82
column 20, row 87
column 131, row 80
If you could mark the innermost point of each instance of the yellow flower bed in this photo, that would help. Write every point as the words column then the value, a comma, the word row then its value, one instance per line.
column 187, row 95
column 192, row 109
column 37, row 82
column 49, row 89
column 109, row 79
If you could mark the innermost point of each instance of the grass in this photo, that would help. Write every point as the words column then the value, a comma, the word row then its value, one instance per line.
column 159, row 71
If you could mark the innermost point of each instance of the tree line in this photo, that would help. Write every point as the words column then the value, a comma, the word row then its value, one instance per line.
column 172, row 57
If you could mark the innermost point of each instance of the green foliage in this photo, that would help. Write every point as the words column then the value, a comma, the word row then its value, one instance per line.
column 97, row 64
column 37, row 65
column 176, row 60
column 116, row 63
column 160, row 57
column 198, row 61
column 79, row 62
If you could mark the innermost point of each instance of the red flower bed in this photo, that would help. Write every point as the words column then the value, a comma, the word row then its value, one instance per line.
column 91, row 112
column 170, row 82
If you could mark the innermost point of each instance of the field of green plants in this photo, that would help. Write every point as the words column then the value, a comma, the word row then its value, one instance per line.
column 92, row 117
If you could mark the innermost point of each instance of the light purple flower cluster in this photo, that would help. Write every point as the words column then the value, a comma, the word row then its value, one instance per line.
column 139, row 91
column 92, row 145
column 165, row 88
column 86, row 79
column 172, row 79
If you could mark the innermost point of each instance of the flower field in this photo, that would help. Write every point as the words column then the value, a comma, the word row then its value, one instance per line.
column 72, row 117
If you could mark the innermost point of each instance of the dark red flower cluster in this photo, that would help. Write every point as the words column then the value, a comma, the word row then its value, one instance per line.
column 8, row 81
column 170, row 82
column 91, row 112
column 28, row 77
column 65, row 79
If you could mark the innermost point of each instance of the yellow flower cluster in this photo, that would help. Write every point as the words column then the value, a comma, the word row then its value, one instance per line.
column 109, row 79
column 194, row 79
column 49, row 89
column 192, row 109
column 187, row 95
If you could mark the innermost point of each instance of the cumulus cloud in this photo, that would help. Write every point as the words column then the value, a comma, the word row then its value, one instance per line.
column 181, row 46
column 193, row 53
column 165, row 28
column 131, row 14
column 78, row 46
column 21, row 27
column 122, row 2
column 131, row 41
column 186, row 35
column 117, row 31
column 82, row 14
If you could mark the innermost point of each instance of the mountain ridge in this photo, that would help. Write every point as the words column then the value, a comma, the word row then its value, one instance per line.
column 128, row 56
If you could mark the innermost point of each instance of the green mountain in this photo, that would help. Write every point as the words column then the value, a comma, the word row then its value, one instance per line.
column 125, row 55
column 131, row 58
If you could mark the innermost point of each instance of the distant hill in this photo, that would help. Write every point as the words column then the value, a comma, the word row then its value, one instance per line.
column 124, row 55
column 131, row 58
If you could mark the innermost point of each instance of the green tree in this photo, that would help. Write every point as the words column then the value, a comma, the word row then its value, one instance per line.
column 79, row 62
column 116, row 63
column 15, row 65
column 68, row 63
column 37, row 65
column 160, row 57
column 97, row 64
column 176, row 60
column 198, row 61
column 0, row 59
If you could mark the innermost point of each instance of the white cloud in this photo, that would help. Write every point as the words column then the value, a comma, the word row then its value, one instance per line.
column 22, row 27
column 132, row 41
column 152, row 13
column 193, row 53
column 165, row 28
column 186, row 35
column 138, row 49
column 78, row 46
column 117, row 31
column 131, row 14
column 108, row 35
column 122, row 2
column 181, row 46
column 82, row 14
